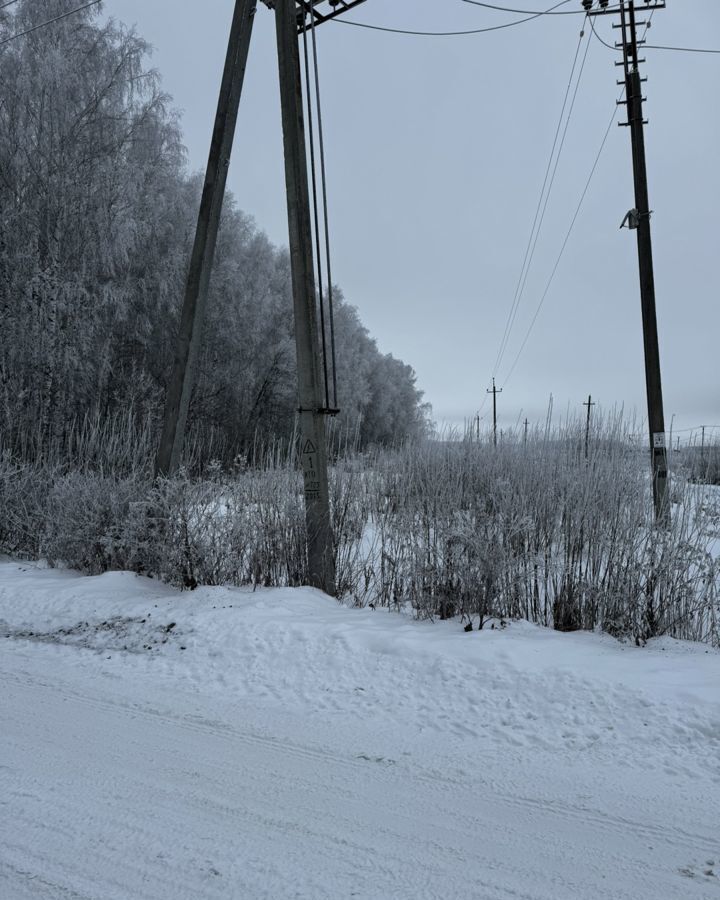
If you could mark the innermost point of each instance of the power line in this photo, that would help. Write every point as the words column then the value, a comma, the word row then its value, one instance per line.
column 330, row 407
column 678, row 49
column 695, row 428
column 313, row 173
column 516, row 298
column 9, row 3
column 645, row 46
column 343, row 21
column 49, row 21
column 562, row 248
column 529, row 12
column 529, row 16
column 542, row 208
column 574, row 218
column 604, row 43
column 323, row 175
column 482, row 405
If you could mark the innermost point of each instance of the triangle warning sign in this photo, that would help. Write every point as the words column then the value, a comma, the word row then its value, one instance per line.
column 309, row 447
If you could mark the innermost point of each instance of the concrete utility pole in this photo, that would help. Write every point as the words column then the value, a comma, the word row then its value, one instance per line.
column 589, row 404
column 525, row 423
column 495, row 391
column 313, row 453
column 182, row 379
column 290, row 17
column 639, row 220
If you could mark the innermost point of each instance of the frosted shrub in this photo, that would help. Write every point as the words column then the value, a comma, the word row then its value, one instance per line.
column 243, row 530
column 525, row 530
column 23, row 500
column 537, row 531
column 247, row 529
column 95, row 523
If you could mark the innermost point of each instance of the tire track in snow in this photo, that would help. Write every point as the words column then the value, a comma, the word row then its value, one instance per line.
column 392, row 850
column 434, row 780
column 430, row 777
column 37, row 887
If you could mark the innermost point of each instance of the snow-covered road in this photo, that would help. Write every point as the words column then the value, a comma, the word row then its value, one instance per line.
column 297, row 749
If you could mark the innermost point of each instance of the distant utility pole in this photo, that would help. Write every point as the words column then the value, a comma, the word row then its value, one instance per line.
column 526, row 431
column 639, row 219
column 495, row 391
column 589, row 404
column 192, row 317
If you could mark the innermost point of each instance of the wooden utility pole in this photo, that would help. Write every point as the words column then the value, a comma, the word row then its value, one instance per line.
column 589, row 404
column 182, row 379
column 639, row 220
column 313, row 453
column 495, row 391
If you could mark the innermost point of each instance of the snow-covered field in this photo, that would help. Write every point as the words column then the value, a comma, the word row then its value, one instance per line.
column 230, row 744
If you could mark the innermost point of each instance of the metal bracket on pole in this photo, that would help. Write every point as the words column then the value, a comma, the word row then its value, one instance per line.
column 631, row 219
column 306, row 8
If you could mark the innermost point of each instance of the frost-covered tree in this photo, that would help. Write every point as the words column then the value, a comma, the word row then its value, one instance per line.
column 395, row 411
column 88, row 159
column 97, row 216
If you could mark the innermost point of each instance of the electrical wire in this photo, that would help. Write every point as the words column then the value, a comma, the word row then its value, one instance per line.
column 557, row 163
column 572, row 224
column 604, row 43
column 539, row 217
column 9, row 3
column 310, row 82
column 340, row 20
column 529, row 12
column 316, row 216
column 678, row 49
column 49, row 22
column 562, row 249
column 323, row 177
column 645, row 46
column 530, row 15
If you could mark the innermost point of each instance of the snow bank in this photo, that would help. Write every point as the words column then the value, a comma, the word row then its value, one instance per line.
column 365, row 753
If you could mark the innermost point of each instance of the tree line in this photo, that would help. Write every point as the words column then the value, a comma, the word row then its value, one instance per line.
column 97, row 218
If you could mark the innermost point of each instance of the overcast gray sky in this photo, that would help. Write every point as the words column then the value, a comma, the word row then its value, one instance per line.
column 437, row 148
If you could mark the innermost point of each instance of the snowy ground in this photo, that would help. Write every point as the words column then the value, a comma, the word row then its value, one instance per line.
column 230, row 744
